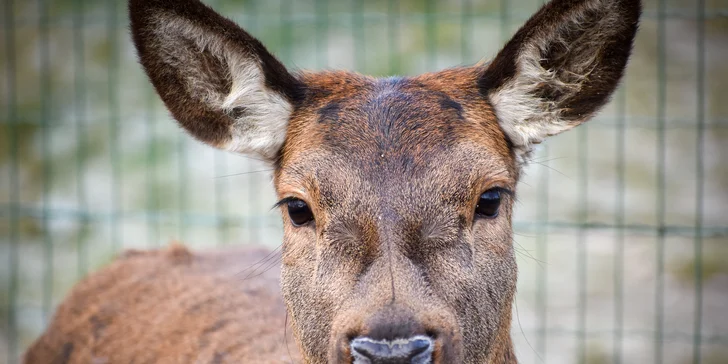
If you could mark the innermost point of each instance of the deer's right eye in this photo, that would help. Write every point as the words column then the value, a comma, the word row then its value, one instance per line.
column 299, row 212
column 488, row 203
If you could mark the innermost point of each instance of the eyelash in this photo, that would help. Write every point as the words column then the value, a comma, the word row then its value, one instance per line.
column 283, row 201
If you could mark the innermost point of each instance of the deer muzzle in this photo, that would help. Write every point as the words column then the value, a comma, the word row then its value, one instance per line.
column 414, row 350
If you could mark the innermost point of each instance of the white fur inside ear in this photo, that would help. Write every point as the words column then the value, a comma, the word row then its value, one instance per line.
column 261, row 115
column 525, row 115
column 262, row 126
column 526, row 118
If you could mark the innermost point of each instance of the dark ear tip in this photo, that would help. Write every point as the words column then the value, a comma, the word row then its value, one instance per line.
column 141, row 9
column 139, row 5
column 142, row 13
column 159, row 3
column 633, row 9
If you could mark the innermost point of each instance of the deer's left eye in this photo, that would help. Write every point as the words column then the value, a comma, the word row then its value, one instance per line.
column 489, row 203
column 299, row 212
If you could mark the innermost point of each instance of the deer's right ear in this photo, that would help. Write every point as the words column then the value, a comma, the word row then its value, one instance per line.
column 219, row 83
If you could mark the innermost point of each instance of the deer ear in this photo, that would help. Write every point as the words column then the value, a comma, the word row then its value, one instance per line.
column 219, row 83
column 559, row 68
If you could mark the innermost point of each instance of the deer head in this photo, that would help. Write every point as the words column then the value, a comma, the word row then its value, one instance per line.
column 396, row 193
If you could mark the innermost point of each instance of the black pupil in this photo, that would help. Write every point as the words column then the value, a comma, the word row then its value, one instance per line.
column 488, row 203
column 299, row 212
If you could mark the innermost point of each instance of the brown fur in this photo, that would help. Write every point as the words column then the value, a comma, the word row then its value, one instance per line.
column 172, row 306
column 392, row 170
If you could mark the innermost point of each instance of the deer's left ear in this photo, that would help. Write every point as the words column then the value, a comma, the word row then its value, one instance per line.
column 559, row 68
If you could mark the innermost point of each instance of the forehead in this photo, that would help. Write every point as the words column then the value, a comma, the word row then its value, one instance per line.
column 395, row 130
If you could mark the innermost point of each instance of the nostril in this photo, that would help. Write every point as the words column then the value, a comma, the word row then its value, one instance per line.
column 419, row 346
column 414, row 350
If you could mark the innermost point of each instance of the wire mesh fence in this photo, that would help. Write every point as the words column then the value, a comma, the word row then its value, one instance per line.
column 622, row 225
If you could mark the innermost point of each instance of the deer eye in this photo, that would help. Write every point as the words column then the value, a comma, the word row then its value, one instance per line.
column 488, row 203
column 299, row 212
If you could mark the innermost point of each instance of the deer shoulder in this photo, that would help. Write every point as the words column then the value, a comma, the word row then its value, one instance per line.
column 172, row 306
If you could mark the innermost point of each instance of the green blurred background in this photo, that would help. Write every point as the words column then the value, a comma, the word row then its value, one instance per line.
column 622, row 225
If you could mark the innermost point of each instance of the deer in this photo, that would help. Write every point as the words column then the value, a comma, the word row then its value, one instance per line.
column 396, row 196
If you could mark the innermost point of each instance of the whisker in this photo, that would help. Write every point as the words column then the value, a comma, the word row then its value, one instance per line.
column 527, row 254
column 553, row 169
column 525, row 235
column 268, row 267
column 262, row 261
column 243, row 173
column 546, row 160
column 518, row 317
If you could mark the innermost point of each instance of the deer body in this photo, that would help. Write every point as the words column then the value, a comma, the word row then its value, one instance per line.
column 396, row 193
column 172, row 306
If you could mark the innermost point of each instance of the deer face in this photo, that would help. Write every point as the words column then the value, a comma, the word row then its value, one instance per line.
column 397, row 204
column 396, row 193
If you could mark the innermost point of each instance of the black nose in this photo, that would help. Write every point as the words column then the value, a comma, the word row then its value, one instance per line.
column 414, row 350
